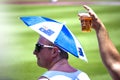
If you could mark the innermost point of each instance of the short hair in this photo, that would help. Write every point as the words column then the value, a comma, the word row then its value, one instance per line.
column 63, row 54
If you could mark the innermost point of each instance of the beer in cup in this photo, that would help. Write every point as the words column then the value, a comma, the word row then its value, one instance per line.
column 85, row 22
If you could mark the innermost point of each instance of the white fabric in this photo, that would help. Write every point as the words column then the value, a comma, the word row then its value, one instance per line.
column 58, row 75
column 83, row 76
column 48, row 25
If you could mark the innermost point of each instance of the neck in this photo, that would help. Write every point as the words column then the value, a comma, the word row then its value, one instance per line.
column 62, row 65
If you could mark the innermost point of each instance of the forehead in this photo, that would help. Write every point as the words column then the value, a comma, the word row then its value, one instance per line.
column 43, row 40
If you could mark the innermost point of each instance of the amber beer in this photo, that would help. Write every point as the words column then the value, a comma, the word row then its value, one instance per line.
column 85, row 22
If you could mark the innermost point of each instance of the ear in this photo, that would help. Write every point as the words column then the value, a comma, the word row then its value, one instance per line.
column 55, row 52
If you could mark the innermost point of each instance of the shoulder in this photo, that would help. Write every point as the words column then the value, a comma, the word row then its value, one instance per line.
column 56, row 75
column 83, row 76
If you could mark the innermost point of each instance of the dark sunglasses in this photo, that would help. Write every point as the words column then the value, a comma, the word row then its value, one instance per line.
column 39, row 46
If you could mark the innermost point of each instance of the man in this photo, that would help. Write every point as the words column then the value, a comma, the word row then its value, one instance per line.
column 108, row 52
column 54, row 59
column 52, row 47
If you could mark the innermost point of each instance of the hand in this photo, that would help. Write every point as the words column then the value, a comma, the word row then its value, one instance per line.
column 96, row 23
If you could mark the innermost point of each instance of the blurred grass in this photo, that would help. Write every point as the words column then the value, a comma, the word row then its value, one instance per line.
column 18, row 63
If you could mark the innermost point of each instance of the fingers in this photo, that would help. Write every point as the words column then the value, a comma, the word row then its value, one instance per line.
column 91, row 12
column 86, row 7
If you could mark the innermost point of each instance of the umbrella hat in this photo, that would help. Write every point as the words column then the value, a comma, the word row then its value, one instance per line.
column 57, row 33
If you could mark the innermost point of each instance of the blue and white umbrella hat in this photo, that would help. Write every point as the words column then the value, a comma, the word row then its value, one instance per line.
column 56, row 32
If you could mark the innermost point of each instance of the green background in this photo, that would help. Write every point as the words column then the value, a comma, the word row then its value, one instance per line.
column 17, row 61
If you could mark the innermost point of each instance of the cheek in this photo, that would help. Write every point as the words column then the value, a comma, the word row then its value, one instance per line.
column 41, row 60
column 47, row 57
column 44, row 61
column 44, row 58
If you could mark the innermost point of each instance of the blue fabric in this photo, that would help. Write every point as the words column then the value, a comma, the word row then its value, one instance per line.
column 72, row 75
column 70, row 45
column 32, row 20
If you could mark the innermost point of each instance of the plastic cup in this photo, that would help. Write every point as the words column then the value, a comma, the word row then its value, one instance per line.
column 85, row 19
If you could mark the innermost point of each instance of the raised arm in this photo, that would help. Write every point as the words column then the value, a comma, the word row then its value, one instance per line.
column 109, row 54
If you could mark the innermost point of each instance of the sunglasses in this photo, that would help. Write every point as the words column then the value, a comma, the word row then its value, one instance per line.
column 39, row 46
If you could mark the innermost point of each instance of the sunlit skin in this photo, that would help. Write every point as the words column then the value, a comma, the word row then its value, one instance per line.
column 44, row 57
column 50, row 58
column 109, row 54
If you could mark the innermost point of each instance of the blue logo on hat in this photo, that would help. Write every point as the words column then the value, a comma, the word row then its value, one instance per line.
column 47, row 31
column 80, row 51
